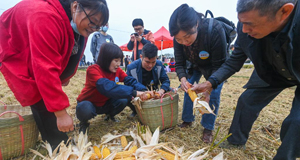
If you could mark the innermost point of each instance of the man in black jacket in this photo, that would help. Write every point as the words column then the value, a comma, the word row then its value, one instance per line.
column 268, row 33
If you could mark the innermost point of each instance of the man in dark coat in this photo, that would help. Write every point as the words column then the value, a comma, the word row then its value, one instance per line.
column 269, row 34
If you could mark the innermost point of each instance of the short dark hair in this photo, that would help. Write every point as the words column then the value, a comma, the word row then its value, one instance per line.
column 137, row 22
column 184, row 18
column 149, row 50
column 265, row 7
column 96, row 6
column 108, row 52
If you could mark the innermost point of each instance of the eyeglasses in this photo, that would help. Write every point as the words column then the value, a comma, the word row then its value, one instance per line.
column 91, row 24
column 138, row 29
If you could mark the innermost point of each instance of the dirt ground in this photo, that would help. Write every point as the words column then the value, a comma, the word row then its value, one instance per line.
column 260, row 145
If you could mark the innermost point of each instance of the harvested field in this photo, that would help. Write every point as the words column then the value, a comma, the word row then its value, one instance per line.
column 261, row 144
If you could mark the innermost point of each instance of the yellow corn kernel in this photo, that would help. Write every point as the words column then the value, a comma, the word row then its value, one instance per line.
column 124, row 154
column 128, row 158
column 192, row 94
column 133, row 149
column 148, row 95
column 94, row 157
column 124, row 142
column 166, row 155
column 97, row 151
column 105, row 152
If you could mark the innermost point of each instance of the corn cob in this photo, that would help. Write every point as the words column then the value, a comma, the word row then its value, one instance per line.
column 128, row 158
column 166, row 155
column 133, row 149
column 94, row 157
column 156, row 95
column 124, row 142
column 191, row 93
column 105, row 152
column 126, row 154
column 97, row 151
column 148, row 95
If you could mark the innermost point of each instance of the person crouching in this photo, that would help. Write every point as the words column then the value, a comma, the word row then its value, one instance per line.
column 102, row 94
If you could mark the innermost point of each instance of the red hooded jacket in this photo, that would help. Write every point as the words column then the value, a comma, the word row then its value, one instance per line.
column 35, row 47
column 90, row 92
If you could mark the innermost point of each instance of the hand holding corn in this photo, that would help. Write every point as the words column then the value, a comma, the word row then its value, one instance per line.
column 205, row 88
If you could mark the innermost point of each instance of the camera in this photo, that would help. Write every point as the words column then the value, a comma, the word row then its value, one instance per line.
column 135, row 34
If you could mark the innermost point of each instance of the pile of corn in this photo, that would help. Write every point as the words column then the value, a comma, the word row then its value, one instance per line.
column 137, row 144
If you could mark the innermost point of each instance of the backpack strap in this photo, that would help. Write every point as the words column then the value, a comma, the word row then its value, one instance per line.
column 210, row 26
column 209, row 12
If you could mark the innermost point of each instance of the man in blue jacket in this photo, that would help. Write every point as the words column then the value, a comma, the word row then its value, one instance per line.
column 149, row 71
column 269, row 34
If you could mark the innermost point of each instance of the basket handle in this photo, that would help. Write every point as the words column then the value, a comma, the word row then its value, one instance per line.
column 5, row 106
column 21, row 119
column 162, row 113
column 161, row 99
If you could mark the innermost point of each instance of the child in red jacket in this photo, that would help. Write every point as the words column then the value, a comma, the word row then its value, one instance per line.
column 102, row 94
column 172, row 65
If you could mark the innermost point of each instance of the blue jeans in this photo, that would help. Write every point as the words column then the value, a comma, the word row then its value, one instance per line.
column 249, row 105
column 208, row 120
column 86, row 110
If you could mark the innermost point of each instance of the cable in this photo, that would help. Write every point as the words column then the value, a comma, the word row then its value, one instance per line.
column 119, row 30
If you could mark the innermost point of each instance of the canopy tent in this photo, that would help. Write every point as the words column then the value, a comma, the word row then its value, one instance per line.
column 162, row 38
column 124, row 47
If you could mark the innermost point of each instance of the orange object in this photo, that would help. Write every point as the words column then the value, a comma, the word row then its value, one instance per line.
column 148, row 95
column 190, row 92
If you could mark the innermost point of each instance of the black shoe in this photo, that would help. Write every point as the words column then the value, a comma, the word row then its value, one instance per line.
column 228, row 145
column 185, row 124
column 133, row 114
column 84, row 126
column 106, row 118
column 114, row 120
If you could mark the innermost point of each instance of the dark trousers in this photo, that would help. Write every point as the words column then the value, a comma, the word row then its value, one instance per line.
column 249, row 105
column 46, row 122
column 86, row 110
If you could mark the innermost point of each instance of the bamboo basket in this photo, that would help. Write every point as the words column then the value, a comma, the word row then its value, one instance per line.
column 172, row 75
column 159, row 112
column 18, row 131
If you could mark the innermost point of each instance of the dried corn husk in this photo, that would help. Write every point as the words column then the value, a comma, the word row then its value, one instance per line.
column 145, row 148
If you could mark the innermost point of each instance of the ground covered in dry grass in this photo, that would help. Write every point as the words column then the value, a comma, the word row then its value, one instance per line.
column 260, row 145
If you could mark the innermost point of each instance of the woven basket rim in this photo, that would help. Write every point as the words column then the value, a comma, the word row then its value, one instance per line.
column 154, row 101
column 19, row 111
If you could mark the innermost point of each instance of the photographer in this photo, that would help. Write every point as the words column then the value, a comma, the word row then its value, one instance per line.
column 139, row 38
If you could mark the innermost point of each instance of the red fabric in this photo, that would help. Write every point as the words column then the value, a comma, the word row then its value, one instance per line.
column 162, row 37
column 90, row 92
column 172, row 66
column 35, row 46
column 124, row 47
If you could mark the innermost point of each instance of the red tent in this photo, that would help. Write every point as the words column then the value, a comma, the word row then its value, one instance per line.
column 124, row 47
column 162, row 38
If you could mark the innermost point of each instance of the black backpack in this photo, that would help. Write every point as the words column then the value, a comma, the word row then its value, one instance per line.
column 228, row 26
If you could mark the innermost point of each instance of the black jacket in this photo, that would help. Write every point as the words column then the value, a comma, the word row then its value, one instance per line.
column 216, row 49
column 246, row 46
